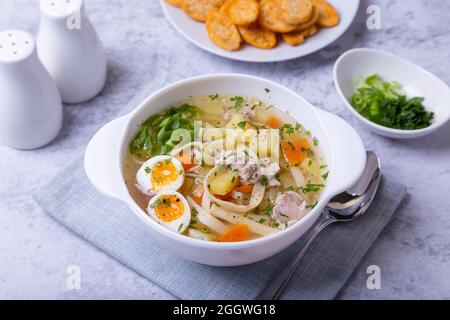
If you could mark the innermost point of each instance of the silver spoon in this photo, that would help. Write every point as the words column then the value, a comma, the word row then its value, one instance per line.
column 345, row 207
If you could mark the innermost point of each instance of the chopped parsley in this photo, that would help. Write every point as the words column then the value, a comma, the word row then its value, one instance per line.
column 315, row 141
column 147, row 170
column 311, row 187
column 384, row 103
column 265, row 181
column 180, row 227
column 268, row 209
column 237, row 101
column 242, row 124
column 325, row 175
column 267, row 90
column 214, row 96
column 312, row 206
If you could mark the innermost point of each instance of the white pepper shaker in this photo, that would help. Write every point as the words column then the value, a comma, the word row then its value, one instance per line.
column 70, row 49
column 30, row 104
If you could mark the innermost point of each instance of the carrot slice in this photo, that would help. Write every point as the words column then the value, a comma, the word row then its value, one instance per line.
column 188, row 166
column 245, row 189
column 197, row 193
column 295, row 151
column 274, row 122
column 236, row 233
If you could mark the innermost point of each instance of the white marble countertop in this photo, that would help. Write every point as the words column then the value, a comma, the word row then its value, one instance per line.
column 414, row 250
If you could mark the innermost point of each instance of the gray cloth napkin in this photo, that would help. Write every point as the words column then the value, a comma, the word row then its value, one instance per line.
column 113, row 228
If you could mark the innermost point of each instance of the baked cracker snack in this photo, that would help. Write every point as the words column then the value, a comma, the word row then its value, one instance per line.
column 258, row 37
column 176, row 3
column 198, row 9
column 270, row 17
column 329, row 17
column 242, row 12
column 295, row 11
column 222, row 31
column 312, row 20
column 296, row 38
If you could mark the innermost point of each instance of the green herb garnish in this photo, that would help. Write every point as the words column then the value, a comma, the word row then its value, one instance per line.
column 385, row 104
column 315, row 141
column 214, row 96
column 265, row 181
column 157, row 203
column 268, row 209
column 237, row 101
column 242, row 124
column 313, row 205
column 311, row 187
column 160, row 133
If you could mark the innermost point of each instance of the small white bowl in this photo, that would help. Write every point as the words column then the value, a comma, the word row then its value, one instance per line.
column 356, row 65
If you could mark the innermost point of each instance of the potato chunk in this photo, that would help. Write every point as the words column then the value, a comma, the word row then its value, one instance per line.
column 224, row 183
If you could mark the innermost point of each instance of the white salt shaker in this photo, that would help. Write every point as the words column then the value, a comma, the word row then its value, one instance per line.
column 71, row 50
column 30, row 104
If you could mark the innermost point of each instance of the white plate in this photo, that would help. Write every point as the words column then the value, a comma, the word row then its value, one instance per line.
column 195, row 32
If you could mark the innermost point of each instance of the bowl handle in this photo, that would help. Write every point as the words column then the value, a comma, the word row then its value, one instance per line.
column 102, row 160
column 347, row 152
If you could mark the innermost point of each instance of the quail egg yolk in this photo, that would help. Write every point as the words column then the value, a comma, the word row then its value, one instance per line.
column 164, row 173
column 170, row 209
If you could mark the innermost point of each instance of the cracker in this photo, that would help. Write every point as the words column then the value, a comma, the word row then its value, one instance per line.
column 222, row 31
column 242, row 12
column 270, row 17
column 312, row 21
column 295, row 11
column 258, row 37
column 176, row 3
column 198, row 9
column 296, row 38
column 329, row 16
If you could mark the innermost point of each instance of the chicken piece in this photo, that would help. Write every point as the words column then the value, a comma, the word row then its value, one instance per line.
column 289, row 208
column 240, row 161
column 269, row 168
column 248, row 113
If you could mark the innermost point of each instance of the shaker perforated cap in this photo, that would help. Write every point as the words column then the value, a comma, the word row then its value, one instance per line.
column 60, row 8
column 15, row 45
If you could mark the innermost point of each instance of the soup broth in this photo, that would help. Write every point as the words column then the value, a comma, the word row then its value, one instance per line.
column 225, row 168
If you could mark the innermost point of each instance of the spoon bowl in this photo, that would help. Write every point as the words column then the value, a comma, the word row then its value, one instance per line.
column 349, row 205
column 354, row 208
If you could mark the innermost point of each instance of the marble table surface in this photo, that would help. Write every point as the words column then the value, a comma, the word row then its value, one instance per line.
column 413, row 252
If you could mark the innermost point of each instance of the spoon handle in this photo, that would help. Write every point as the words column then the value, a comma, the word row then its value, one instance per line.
column 276, row 286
